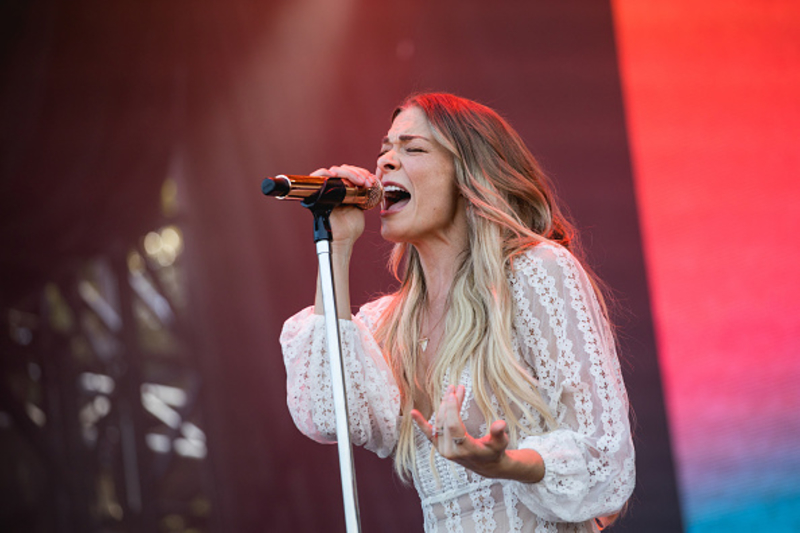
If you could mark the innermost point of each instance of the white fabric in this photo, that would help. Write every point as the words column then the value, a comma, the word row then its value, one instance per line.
column 561, row 337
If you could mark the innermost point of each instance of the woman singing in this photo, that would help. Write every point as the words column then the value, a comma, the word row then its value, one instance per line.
column 491, row 375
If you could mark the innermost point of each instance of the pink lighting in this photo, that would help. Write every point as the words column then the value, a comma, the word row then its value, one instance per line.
column 714, row 121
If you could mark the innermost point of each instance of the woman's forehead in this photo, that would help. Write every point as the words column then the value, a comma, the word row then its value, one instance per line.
column 409, row 122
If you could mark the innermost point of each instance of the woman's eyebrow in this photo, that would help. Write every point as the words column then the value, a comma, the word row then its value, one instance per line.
column 404, row 138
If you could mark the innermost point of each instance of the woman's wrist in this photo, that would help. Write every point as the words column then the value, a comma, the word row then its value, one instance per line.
column 341, row 251
column 525, row 465
column 340, row 261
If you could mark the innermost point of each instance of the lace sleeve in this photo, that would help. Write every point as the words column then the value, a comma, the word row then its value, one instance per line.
column 373, row 399
column 564, row 337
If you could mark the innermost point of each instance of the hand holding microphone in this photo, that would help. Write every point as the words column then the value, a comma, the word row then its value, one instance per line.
column 360, row 187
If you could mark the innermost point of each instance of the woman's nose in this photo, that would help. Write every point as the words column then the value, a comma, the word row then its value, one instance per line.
column 387, row 162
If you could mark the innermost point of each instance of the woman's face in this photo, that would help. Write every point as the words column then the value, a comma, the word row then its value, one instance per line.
column 421, row 200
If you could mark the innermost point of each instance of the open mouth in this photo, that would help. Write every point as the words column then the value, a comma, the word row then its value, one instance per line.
column 394, row 197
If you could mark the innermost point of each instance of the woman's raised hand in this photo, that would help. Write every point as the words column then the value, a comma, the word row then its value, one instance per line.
column 347, row 222
column 452, row 440
column 487, row 455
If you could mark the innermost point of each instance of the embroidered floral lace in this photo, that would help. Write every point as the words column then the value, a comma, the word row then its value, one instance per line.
column 560, row 335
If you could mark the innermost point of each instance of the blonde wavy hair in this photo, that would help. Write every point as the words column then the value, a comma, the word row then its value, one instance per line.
column 510, row 208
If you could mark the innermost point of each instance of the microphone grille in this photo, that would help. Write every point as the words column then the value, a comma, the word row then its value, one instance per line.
column 374, row 196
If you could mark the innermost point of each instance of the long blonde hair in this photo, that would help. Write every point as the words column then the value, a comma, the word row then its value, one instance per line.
column 510, row 208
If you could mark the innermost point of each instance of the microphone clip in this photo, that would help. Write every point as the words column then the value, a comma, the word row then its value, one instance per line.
column 331, row 194
column 321, row 203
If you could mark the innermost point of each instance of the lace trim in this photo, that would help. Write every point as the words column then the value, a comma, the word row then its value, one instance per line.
column 428, row 518
column 546, row 527
column 612, row 416
column 546, row 369
column 455, row 493
column 453, row 516
column 483, row 515
column 511, row 500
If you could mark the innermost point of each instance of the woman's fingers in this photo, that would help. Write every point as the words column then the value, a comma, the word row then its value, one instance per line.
column 322, row 172
column 449, row 435
column 355, row 175
column 452, row 414
column 460, row 393
column 498, row 435
column 455, row 435
column 441, row 414
column 451, row 440
column 447, row 422
column 347, row 222
column 422, row 424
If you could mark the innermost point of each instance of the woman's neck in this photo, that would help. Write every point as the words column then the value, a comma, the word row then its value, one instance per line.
column 439, row 265
column 440, row 256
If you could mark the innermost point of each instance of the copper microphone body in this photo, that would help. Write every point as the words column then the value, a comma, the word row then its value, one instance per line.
column 294, row 187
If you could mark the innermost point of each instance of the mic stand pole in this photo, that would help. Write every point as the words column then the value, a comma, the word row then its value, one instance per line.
column 321, row 205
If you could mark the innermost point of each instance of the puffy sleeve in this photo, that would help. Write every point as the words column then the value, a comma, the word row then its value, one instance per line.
column 373, row 399
column 565, row 339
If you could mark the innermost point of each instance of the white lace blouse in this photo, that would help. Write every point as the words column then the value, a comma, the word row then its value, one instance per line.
column 560, row 335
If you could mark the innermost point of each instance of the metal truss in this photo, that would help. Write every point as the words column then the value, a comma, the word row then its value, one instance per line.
column 101, row 410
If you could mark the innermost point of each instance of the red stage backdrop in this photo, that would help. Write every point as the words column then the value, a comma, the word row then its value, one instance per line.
column 712, row 99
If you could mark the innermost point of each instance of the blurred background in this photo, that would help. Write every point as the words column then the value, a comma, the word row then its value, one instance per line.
column 144, row 278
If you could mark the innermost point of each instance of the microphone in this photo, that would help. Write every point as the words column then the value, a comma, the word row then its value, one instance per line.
column 290, row 187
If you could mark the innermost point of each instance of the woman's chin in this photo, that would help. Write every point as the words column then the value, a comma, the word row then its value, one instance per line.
column 387, row 234
column 390, row 232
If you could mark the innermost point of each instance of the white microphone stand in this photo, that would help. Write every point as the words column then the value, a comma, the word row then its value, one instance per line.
column 321, row 210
